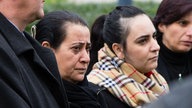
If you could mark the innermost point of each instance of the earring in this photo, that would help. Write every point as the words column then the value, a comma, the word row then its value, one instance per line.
column 33, row 31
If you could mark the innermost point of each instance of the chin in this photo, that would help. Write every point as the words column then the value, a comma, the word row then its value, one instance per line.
column 40, row 14
column 80, row 78
column 186, row 50
column 183, row 49
column 152, row 67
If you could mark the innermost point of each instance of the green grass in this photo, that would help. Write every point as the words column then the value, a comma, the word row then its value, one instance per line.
column 91, row 11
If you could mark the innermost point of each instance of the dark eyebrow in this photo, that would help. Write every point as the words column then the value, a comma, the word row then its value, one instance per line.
column 81, row 43
column 155, row 33
column 88, row 43
column 143, row 36
column 147, row 35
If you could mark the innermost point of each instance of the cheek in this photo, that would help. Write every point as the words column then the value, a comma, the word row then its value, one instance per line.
column 135, row 57
column 172, row 33
column 67, row 67
column 66, row 61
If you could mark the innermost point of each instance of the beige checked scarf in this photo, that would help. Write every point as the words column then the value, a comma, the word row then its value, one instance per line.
column 124, row 82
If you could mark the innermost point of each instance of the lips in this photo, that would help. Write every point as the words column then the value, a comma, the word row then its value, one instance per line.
column 154, row 58
column 187, row 43
column 82, row 70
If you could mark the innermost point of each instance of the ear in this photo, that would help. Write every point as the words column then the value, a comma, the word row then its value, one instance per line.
column 46, row 44
column 117, row 48
column 161, row 27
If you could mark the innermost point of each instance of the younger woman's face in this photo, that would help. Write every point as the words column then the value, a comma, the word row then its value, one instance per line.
column 73, row 54
column 178, row 35
column 142, row 48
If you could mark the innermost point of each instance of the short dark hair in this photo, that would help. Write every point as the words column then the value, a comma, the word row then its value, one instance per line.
column 50, row 28
column 170, row 11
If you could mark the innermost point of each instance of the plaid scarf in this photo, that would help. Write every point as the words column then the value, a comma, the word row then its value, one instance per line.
column 125, row 82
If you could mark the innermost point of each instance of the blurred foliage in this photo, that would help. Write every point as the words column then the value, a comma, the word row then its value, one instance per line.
column 54, row 2
column 149, row 7
column 92, row 10
column 87, row 11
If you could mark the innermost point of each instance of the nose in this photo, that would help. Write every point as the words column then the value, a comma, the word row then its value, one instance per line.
column 155, row 46
column 85, row 57
column 189, row 31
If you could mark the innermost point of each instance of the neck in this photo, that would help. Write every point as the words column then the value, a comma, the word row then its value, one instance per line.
column 16, row 21
column 20, row 25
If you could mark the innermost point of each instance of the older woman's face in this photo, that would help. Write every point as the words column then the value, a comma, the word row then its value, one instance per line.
column 142, row 48
column 73, row 54
column 178, row 35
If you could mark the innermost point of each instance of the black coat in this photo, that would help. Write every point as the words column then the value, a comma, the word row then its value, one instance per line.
column 29, row 76
column 89, row 95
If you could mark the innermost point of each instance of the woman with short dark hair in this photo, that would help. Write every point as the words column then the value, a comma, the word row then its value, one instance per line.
column 173, row 22
column 68, row 35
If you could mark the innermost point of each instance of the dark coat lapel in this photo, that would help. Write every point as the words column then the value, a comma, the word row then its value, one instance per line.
column 21, row 47
column 42, row 57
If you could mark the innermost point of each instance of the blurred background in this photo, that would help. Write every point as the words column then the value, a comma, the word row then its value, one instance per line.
column 91, row 9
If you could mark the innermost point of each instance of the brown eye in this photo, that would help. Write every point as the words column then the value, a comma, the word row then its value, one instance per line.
column 143, row 40
column 155, row 35
column 182, row 22
column 88, row 48
column 76, row 48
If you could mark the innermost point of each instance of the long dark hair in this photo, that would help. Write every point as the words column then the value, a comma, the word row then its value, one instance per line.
column 97, row 41
column 115, row 31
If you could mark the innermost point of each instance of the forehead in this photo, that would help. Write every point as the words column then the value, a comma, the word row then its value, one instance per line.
column 188, row 16
column 140, row 25
column 77, row 32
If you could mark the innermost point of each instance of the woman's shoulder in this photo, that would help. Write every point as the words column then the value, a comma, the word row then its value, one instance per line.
column 111, row 101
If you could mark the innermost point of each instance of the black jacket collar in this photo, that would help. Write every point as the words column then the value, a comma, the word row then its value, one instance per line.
column 27, row 44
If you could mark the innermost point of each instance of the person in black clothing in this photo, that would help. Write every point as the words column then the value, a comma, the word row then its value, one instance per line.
column 29, row 76
column 97, row 41
column 68, row 36
column 173, row 22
